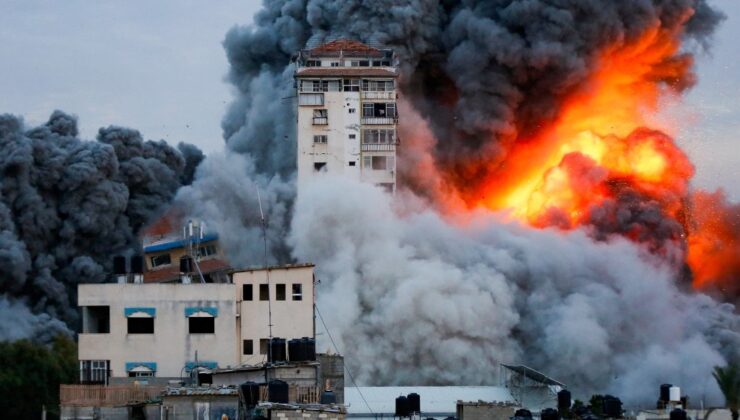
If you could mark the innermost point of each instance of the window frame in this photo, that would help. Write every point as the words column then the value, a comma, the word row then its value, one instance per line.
column 197, row 319
column 153, row 258
column 250, row 346
column 139, row 330
column 247, row 292
column 299, row 293
column 264, row 291
column 280, row 292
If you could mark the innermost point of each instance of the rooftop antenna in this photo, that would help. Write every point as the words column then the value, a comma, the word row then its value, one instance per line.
column 196, row 237
column 267, row 273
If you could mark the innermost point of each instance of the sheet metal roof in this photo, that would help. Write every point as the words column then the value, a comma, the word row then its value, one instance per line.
column 533, row 374
column 180, row 243
column 434, row 399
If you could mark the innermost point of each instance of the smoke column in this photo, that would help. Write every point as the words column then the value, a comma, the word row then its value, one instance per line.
column 66, row 207
column 430, row 286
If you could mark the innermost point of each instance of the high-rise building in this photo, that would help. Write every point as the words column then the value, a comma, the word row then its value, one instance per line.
column 347, row 112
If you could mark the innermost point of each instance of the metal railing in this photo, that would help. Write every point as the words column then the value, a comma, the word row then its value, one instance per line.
column 387, row 95
column 379, row 120
column 297, row 394
column 378, row 147
column 107, row 395
column 320, row 120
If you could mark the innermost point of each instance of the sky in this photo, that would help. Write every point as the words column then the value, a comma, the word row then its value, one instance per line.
column 159, row 67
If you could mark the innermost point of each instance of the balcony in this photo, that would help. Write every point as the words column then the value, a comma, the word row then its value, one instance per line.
column 107, row 395
column 378, row 147
column 311, row 99
column 387, row 95
column 320, row 120
column 379, row 120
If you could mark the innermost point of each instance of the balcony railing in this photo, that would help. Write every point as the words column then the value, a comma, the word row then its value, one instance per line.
column 388, row 95
column 378, row 147
column 320, row 120
column 379, row 120
column 107, row 395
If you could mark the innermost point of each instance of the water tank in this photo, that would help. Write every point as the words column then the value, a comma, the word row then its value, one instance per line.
column 523, row 413
column 414, row 402
column 612, row 406
column 309, row 348
column 328, row 397
column 186, row 265
column 674, row 393
column 564, row 400
column 277, row 391
column 137, row 264
column 250, row 393
column 549, row 414
column 664, row 392
column 119, row 264
column 277, row 350
column 402, row 407
column 295, row 350
column 678, row 414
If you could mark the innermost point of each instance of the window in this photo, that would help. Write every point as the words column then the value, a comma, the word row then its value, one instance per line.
column 297, row 291
column 378, row 163
column 247, row 292
column 94, row 371
column 335, row 63
column 320, row 117
column 96, row 319
column 264, row 345
column 320, row 139
column 142, row 374
column 352, row 110
column 140, row 325
column 247, row 347
column 160, row 260
column 311, row 99
column 379, row 110
column 351, row 85
column 379, row 136
column 319, row 166
column 201, row 325
column 352, row 136
column 264, row 292
column 352, row 163
column 377, row 85
column 206, row 250
column 313, row 63
column 386, row 186
column 280, row 291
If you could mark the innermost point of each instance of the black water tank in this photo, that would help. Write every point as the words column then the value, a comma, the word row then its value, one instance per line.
column 186, row 265
column 309, row 348
column 523, row 413
column 665, row 392
column 549, row 414
column 250, row 393
column 414, row 402
column 137, row 264
column 119, row 264
column 295, row 350
column 328, row 397
column 612, row 406
column 678, row 414
column 277, row 350
column 564, row 400
column 277, row 391
column 402, row 407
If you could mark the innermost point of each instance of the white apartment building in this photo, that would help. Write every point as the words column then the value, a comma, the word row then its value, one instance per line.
column 347, row 112
column 152, row 331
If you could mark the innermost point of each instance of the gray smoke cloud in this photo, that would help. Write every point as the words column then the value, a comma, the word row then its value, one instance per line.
column 66, row 207
column 416, row 299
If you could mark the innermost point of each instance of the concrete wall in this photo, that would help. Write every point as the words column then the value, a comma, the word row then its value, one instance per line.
column 299, row 375
column 331, row 370
column 201, row 407
column 290, row 318
column 151, row 411
column 171, row 346
column 305, row 414
column 484, row 411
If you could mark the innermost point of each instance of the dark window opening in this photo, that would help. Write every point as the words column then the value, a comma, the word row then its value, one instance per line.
column 264, row 344
column 352, row 163
column 201, row 325
column 352, row 136
column 247, row 347
column 264, row 292
column 141, row 325
column 318, row 166
column 205, row 378
column 247, row 292
column 297, row 291
column 96, row 319
column 160, row 260
column 147, row 374
column 280, row 291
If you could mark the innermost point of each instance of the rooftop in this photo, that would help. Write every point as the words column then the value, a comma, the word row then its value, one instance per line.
column 172, row 271
column 343, row 71
column 346, row 47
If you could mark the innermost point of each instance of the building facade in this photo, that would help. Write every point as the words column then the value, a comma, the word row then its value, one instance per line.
column 347, row 112
column 161, row 331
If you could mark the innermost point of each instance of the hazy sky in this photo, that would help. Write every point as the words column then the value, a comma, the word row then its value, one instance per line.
column 158, row 66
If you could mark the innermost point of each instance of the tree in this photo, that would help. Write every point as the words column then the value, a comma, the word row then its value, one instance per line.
column 31, row 373
column 728, row 380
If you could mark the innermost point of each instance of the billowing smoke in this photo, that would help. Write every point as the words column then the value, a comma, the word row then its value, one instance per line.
column 415, row 297
column 66, row 206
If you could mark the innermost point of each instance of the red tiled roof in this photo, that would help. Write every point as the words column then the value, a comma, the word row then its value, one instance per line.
column 172, row 272
column 346, row 46
column 339, row 72
column 169, row 222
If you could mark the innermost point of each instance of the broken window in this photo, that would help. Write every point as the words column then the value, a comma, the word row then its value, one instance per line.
column 297, row 291
column 318, row 166
column 160, row 260
column 264, row 345
column 264, row 292
column 201, row 325
column 280, row 291
column 140, row 325
column 247, row 347
column 96, row 319
column 206, row 250
column 320, row 139
column 247, row 292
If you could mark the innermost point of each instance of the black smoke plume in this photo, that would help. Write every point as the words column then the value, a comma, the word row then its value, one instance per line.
column 66, row 206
